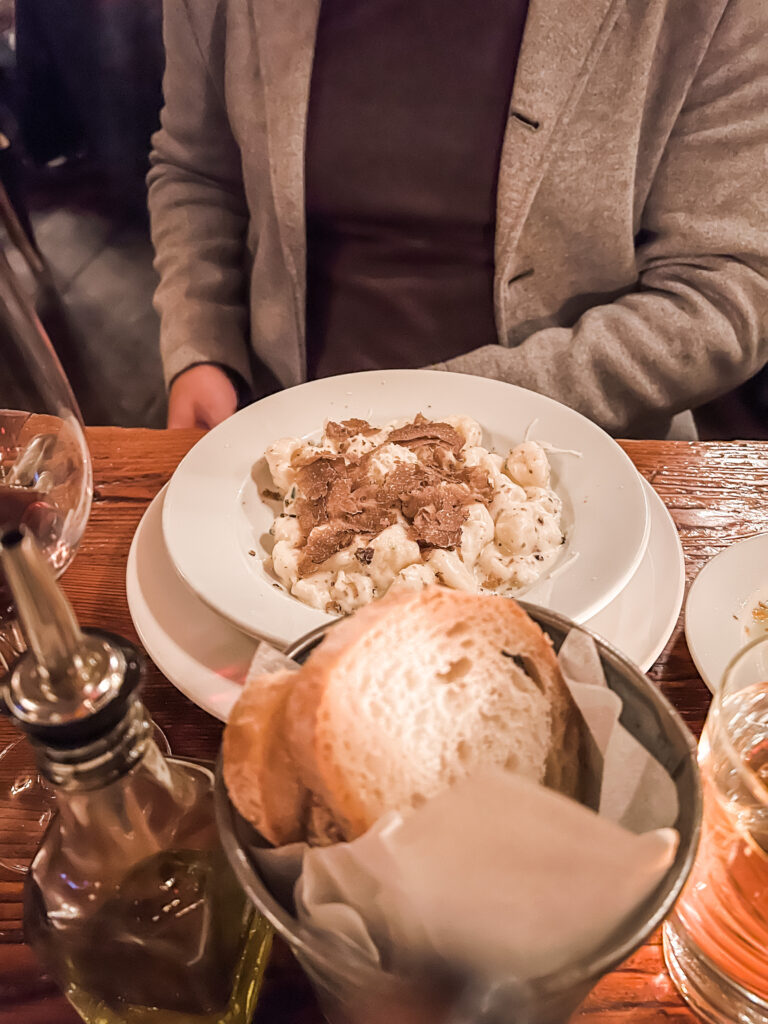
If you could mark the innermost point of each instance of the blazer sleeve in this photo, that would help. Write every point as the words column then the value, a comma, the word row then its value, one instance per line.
column 198, row 210
column 696, row 324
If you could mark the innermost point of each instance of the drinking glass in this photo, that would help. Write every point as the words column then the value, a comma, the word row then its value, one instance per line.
column 46, row 489
column 716, row 939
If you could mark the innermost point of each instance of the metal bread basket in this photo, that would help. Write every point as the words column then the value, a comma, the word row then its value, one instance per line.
column 345, row 988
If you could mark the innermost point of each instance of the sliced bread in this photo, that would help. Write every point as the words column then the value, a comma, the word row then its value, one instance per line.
column 400, row 700
column 417, row 690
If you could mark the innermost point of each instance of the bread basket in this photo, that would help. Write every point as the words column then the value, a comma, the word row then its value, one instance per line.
column 345, row 988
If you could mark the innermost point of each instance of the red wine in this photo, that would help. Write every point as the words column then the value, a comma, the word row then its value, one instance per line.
column 14, row 502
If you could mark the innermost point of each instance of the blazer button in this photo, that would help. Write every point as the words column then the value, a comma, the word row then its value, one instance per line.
column 532, row 123
column 519, row 277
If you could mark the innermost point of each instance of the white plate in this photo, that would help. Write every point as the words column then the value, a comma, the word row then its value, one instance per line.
column 718, row 612
column 206, row 658
column 216, row 524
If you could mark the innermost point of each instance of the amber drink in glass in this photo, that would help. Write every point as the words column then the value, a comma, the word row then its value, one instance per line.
column 716, row 939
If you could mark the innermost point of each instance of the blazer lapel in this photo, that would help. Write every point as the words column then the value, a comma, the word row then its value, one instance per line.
column 561, row 42
column 286, row 38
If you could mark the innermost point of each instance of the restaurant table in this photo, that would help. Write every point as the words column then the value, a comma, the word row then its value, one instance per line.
column 717, row 493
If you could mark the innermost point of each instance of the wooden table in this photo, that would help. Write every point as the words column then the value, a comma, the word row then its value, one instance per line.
column 717, row 494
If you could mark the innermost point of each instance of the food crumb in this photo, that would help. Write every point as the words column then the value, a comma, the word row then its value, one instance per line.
column 252, row 553
column 364, row 555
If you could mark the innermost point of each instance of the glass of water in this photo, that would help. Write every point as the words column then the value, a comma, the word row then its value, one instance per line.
column 716, row 939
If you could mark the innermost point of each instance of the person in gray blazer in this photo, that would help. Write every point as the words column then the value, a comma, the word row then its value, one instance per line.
column 569, row 195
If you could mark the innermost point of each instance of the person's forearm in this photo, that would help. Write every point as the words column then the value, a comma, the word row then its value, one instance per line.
column 198, row 213
column 689, row 333
column 201, row 296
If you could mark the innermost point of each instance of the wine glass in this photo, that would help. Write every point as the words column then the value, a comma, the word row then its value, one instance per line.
column 45, row 488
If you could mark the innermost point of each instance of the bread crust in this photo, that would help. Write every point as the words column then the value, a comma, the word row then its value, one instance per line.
column 261, row 776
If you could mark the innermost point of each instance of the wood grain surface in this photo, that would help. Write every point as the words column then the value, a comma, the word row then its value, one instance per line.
column 717, row 494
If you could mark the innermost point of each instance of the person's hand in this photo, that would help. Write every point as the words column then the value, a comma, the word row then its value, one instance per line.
column 201, row 396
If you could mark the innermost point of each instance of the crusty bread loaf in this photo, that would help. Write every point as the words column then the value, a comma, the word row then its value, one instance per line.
column 400, row 700
column 260, row 775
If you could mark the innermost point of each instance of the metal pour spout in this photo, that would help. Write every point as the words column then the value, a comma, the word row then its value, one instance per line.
column 46, row 615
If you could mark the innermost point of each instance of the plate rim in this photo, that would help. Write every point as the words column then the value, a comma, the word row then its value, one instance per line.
column 699, row 581
column 202, row 700
column 132, row 584
column 679, row 598
column 198, row 583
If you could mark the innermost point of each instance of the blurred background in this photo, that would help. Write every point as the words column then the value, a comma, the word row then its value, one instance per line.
column 80, row 92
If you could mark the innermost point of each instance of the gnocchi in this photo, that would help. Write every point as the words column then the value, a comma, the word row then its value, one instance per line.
column 408, row 504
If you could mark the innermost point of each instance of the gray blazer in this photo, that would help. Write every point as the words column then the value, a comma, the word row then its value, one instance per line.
column 631, row 255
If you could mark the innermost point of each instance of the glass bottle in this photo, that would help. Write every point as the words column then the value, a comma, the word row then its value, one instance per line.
column 130, row 902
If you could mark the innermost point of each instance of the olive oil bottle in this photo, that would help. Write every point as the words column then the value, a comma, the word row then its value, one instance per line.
column 130, row 902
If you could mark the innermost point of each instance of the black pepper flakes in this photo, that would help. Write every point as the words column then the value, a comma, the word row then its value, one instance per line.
column 364, row 555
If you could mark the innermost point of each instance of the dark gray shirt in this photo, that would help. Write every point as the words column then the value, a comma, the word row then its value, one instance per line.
column 408, row 105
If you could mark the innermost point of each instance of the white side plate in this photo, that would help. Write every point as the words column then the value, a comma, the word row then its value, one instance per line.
column 719, row 612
